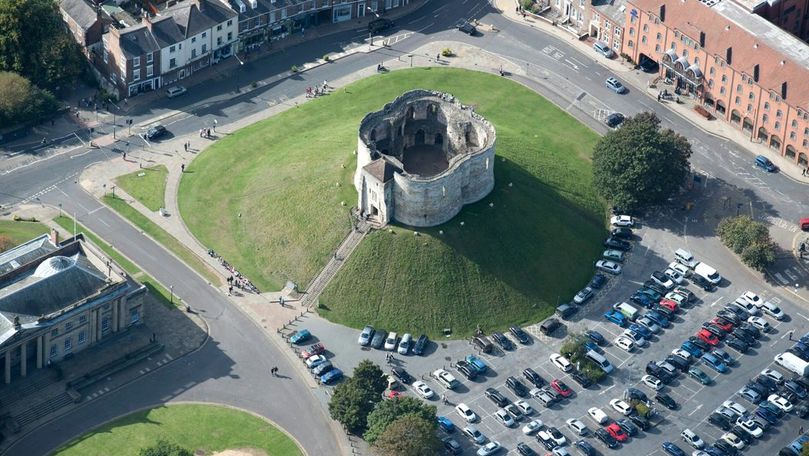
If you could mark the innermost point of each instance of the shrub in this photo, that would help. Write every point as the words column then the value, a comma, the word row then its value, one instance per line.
column 295, row 68
column 327, row 58
column 749, row 239
column 164, row 448
column 527, row 4
column 447, row 52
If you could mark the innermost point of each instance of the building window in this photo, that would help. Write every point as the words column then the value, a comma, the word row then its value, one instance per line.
column 738, row 101
column 712, row 71
column 724, row 79
column 630, row 44
column 779, row 113
column 218, row 40
column 54, row 332
column 219, row 28
column 204, row 34
column 643, row 39
column 806, row 131
column 82, row 319
column 750, row 96
column 766, row 106
column 764, row 118
column 82, row 337
column 149, row 58
column 136, row 76
column 739, row 88
column 105, row 324
column 710, row 83
column 134, row 316
column 657, row 48
column 722, row 90
column 135, row 62
column 794, row 123
column 204, row 48
column 772, row 96
column 193, row 53
column 193, row 40
column 749, row 107
column 792, row 135
column 54, row 351
column 68, row 345
column 685, row 53
column 172, row 48
column 172, row 63
column 230, row 36
column 673, row 46
column 230, row 22
column 149, row 71
column 607, row 25
column 805, row 143
column 659, row 37
column 777, row 125
column 645, row 27
column 69, row 326
column 744, row 79
column 631, row 31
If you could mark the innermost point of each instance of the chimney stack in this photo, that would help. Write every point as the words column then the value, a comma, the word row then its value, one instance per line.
column 54, row 236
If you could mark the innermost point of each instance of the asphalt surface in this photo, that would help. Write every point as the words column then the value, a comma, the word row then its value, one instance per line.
column 233, row 367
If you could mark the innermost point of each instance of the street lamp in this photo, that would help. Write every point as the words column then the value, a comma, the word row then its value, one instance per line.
column 370, row 32
column 236, row 79
column 171, row 291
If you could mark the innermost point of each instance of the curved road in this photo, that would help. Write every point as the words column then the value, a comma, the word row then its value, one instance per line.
column 233, row 367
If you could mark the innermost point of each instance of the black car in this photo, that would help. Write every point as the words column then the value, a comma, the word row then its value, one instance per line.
column 750, row 329
column 743, row 314
column 402, row 375
column 655, row 286
column 729, row 317
column 617, row 244
column 640, row 422
column 380, row 25
column 737, row 344
column 767, row 382
column 548, row 442
column 379, row 338
column 802, row 411
column 468, row 371
column 516, row 386
column 605, row 437
column 584, row 447
column 496, row 397
column 525, row 450
column 420, row 345
column 759, row 388
column 635, row 394
column 452, row 445
column 621, row 232
column 648, row 65
column 744, row 335
column 466, row 27
column 614, row 119
column 678, row 363
column 596, row 337
column 598, row 281
column 628, row 427
column 502, row 341
column 155, row 132
column 519, row 334
column 795, row 388
column 565, row 311
column 726, row 448
column 659, row 372
column 700, row 344
column 720, row 421
column 534, row 378
column 702, row 282
column 580, row 378
column 742, row 434
column 800, row 353
column 549, row 326
column 666, row 400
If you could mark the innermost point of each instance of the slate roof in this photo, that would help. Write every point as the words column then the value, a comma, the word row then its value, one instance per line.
column 13, row 258
column 165, row 31
column 265, row 6
column 137, row 40
column 193, row 20
column 381, row 170
column 80, row 11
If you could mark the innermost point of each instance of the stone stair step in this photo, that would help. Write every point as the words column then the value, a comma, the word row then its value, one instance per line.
column 43, row 409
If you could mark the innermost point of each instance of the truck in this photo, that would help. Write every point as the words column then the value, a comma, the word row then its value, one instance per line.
column 792, row 363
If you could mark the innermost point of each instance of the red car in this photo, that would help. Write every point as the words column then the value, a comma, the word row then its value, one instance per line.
column 393, row 394
column 617, row 433
column 708, row 337
column 669, row 304
column 561, row 388
column 722, row 323
column 313, row 350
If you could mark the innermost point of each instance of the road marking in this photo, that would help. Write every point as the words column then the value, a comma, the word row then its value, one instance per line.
column 695, row 410
column 105, row 223
column 440, row 8
column 575, row 67
column 781, row 279
column 717, row 300
column 790, row 274
column 607, row 389
column 425, row 27
column 804, row 316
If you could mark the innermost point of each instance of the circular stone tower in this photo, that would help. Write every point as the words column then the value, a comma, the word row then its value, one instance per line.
column 421, row 158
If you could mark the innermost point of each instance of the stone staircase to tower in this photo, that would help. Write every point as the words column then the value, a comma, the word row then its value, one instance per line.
column 319, row 283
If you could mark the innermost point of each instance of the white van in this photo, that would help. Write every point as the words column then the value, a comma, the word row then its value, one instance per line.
column 708, row 273
column 685, row 258
column 793, row 364
column 445, row 378
column 628, row 310
column 600, row 360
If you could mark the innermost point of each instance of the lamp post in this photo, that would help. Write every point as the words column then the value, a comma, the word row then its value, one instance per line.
column 236, row 79
column 171, row 291
column 370, row 32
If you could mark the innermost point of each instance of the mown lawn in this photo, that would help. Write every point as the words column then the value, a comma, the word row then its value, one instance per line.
column 194, row 427
column 147, row 185
column 268, row 198
column 19, row 232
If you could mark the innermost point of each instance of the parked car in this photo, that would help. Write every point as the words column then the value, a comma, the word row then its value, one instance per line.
column 489, row 449
column 666, row 400
column 466, row 413
column 516, row 386
column 608, row 266
column 391, row 340
column 420, row 345
column 477, row 363
column 331, row 376
column 577, row 426
column 598, row 415
column 603, row 49
column 175, row 91
column 616, row 317
column 520, row 334
column 598, row 281
column 405, row 344
column 300, row 336
column 606, row 438
column 621, row 232
column 692, row 439
column 464, row 26
column 614, row 120
column 473, row 433
column 673, row 449
column 378, row 339
column 700, row 376
column 502, row 341
column 617, row 244
column 596, row 337
column 380, row 25
column 765, row 164
column 423, row 389
column 533, row 377
column 714, row 363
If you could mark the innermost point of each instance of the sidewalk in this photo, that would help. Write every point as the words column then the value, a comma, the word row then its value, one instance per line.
column 643, row 81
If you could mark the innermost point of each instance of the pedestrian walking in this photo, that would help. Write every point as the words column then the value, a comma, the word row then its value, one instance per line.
column 182, row 167
column 800, row 431
column 230, row 290
column 790, row 334
column 214, row 124
column 803, row 172
column 274, row 371
column 658, row 97
column 185, row 146
column 124, row 156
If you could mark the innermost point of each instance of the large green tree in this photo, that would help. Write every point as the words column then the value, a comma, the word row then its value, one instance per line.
column 370, row 376
column 389, row 411
column 640, row 164
column 410, row 435
column 749, row 239
column 35, row 43
column 20, row 101
column 164, row 448
column 356, row 397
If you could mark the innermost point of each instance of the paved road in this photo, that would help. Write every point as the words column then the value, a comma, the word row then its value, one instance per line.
column 232, row 368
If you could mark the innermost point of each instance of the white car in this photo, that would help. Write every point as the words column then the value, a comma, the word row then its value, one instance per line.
column 751, row 426
column 691, row 438
column 674, row 275
column 598, row 415
column 577, row 426
column 466, row 413
column 733, row 440
column 636, row 337
column 405, row 344
column 682, row 269
column 759, row 323
column 561, row 362
column 503, row 417
column 662, row 279
column 773, row 374
column 647, row 323
column 525, row 407
column 676, row 297
column 473, row 433
column 652, row 382
column 390, row 342
column 424, row 391
column 773, row 310
column 780, row 402
column 624, row 343
column 315, row 360
column 621, row 407
column 752, row 298
column 583, row 295
column 622, row 220
column 682, row 354
column 489, row 449
column 736, row 407
column 608, row 266
column 175, row 91
column 531, row 427
column 750, row 308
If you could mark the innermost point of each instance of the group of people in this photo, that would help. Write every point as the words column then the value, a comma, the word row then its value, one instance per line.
column 312, row 92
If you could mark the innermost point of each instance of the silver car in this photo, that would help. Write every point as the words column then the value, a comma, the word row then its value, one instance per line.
column 608, row 266
column 615, row 85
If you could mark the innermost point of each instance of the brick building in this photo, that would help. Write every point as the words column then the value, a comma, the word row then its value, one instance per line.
column 739, row 65
column 84, row 22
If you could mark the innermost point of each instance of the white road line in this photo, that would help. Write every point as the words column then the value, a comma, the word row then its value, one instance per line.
column 105, row 223
column 715, row 302
column 695, row 410
column 440, row 8
column 804, row 316
column 425, row 27
column 607, row 389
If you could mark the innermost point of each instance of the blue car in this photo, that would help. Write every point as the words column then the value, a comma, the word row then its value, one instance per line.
column 331, row 376
column 476, row 363
column 596, row 337
column 713, row 451
column 651, row 293
column 300, row 336
column 689, row 346
column 765, row 164
column 642, row 330
column 590, row 345
column 445, row 424
column 769, row 416
column 598, row 281
column 714, row 363
column 642, row 299
column 616, row 317
column 658, row 318
column 673, row 449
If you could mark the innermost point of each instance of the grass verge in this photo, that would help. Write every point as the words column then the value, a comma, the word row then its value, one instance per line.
column 18, row 232
column 157, row 290
column 162, row 236
column 202, row 428
column 147, row 185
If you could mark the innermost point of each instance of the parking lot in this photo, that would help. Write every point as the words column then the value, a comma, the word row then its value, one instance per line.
column 652, row 250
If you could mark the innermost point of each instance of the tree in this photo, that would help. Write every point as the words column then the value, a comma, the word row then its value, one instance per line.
column 410, row 435
column 5, row 243
column 388, row 411
column 804, row 449
column 749, row 239
column 20, row 101
column 370, row 376
column 574, row 349
column 164, row 448
column 640, row 165
column 351, row 403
